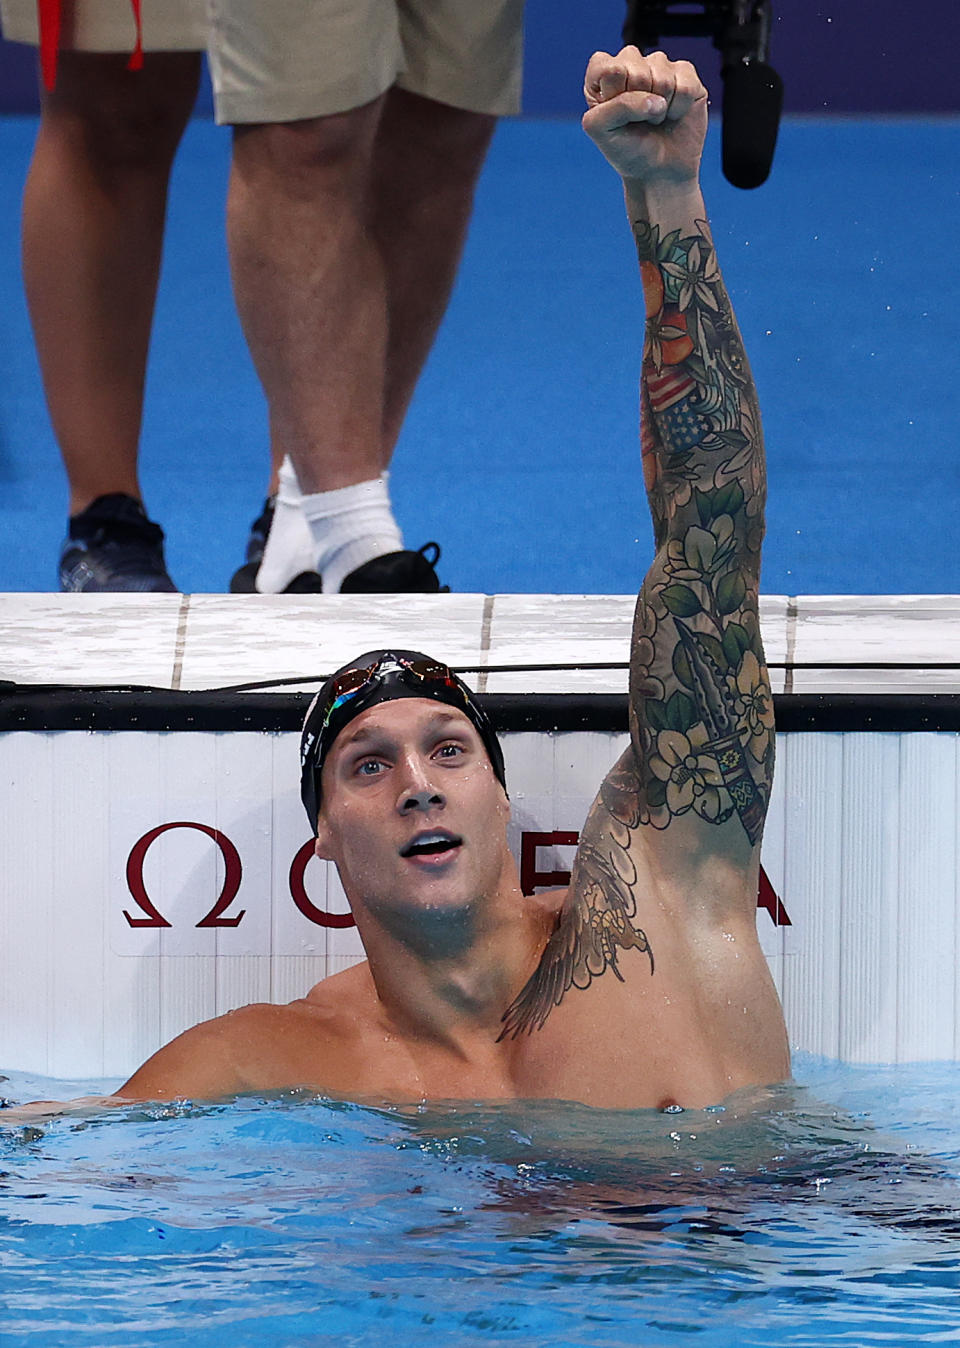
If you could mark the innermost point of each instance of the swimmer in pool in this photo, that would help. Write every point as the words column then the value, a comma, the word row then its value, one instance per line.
column 642, row 984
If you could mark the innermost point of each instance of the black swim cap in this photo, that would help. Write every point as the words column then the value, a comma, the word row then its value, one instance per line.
column 382, row 676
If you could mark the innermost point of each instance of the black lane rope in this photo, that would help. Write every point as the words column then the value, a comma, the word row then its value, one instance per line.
column 8, row 686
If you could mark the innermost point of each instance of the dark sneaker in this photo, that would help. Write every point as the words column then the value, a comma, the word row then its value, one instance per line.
column 112, row 546
column 244, row 580
column 398, row 573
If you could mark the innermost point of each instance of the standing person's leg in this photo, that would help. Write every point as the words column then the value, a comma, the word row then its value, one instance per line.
column 427, row 160
column 311, row 290
column 93, row 218
column 345, row 235
column 93, row 222
column 346, row 229
column 311, row 294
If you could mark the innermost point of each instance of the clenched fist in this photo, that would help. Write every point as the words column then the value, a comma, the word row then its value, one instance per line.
column 647, row 114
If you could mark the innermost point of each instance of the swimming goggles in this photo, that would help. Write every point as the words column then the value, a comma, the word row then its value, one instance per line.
column 387, row 676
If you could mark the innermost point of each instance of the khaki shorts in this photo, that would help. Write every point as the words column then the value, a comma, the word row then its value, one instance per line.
column 107, row 25
column 286, row 60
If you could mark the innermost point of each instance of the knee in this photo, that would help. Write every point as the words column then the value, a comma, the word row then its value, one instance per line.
column 307, row 158
column 122, row 120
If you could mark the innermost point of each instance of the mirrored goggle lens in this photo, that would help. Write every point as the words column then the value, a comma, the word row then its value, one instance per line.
column 346, row 686
column 429, row 671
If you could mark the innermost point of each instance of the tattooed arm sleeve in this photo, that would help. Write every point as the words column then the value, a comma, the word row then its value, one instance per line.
column 701, row 716
column 701, row 710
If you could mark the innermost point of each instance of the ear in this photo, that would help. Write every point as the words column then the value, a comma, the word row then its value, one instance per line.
column 321, row 845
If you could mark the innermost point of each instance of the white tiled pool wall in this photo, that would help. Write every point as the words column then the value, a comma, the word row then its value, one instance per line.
column 861, row 847
column 861, row 843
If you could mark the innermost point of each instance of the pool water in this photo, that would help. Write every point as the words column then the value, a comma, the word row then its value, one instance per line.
column 823, row 1212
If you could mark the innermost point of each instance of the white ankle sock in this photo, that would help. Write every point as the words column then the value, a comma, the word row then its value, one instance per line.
column 350, row 526
column 290, row 548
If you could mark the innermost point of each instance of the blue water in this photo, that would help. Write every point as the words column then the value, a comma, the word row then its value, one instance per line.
column 824, row 1212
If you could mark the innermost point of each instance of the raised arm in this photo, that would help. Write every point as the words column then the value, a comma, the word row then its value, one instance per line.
column 672, row 841
column 701, row 711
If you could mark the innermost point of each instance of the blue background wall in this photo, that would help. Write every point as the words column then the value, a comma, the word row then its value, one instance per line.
column 836, row 56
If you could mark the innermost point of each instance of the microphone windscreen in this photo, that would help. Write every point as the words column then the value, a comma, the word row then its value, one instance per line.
column 752, row 102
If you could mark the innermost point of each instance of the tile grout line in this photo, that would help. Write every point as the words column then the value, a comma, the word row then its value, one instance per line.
column 485, row 639
column 180, row 644
column 791, row 642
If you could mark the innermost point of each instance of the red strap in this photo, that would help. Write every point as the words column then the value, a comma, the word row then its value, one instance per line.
column 136, row 56
column 49, row 13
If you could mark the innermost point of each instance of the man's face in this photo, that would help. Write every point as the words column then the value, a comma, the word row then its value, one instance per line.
column 412, row 812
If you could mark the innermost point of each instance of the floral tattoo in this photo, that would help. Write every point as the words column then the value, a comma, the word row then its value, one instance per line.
column 701, row 711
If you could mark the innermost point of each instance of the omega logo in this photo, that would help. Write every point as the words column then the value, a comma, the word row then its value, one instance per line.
column 530, row 879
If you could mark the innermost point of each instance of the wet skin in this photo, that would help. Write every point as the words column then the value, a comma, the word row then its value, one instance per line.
column 415, row 819
column 412, row 814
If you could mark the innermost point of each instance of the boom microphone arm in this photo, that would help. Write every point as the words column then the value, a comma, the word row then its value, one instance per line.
column 752, row 89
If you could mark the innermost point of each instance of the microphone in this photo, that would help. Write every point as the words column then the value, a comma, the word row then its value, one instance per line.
column 752, row 103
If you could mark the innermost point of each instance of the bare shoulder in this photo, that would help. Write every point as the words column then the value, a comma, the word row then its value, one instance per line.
column 263, row 1046
column 251, row 1048
column 352, row 988
column 204, row 1062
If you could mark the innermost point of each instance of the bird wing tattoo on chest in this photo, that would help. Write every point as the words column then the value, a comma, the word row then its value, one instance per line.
column 601, row 920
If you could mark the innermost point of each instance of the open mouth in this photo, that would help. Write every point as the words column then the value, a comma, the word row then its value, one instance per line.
column 431, row 844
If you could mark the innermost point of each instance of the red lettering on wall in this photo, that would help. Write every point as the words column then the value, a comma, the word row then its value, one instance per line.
column 767, row 898
column 530, row 877
column 299, row 894
column 231, row 880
